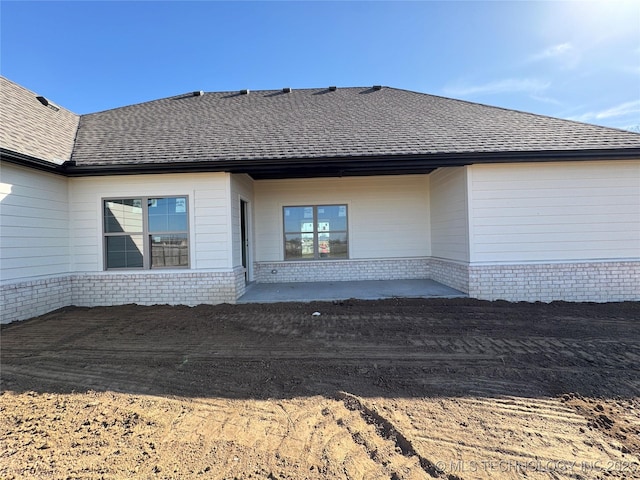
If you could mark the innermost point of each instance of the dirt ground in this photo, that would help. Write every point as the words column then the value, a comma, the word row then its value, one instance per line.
column 394, row 389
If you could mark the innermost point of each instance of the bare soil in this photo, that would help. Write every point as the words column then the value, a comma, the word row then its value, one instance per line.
column 393, row 389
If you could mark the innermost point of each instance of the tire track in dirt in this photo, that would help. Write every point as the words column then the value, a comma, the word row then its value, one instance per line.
column 241, row 390
column 504, row 436
column 386, row 430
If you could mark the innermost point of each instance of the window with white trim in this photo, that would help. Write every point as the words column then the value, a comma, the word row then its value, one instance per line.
column 315, row 232
column 146, row 232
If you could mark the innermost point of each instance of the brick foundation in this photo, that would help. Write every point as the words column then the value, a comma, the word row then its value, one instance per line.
column 451, row 273
column 573, row 282
column 28, row 299
column 342, row 270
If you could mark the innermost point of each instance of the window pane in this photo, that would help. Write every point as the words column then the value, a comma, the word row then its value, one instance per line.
column 169, row 251
column 332, row 217
column 124, row 251
column 298, row 246
column 167, row 214
column 123, row 215
column 298, row 219
column 333, row 245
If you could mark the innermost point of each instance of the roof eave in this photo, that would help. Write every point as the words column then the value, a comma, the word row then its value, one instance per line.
column 323, row 166
column 25, row 160
column 351, row 165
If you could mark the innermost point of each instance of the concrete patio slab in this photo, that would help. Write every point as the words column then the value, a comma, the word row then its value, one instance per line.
column 364, row 290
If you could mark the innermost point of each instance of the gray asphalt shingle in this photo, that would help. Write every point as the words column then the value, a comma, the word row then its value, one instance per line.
column 31, row 128
column 318, row 123
column 306, row 124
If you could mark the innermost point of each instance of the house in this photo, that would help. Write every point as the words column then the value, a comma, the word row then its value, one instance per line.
column 184, row 200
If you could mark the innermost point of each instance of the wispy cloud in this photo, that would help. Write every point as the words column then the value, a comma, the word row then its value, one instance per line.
column 554, row 51
column 547, row 99
column 508, row 85
column 622, row 110
column 565, row 54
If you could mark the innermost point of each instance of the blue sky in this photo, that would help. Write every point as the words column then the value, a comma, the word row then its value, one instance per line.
column 576, row 60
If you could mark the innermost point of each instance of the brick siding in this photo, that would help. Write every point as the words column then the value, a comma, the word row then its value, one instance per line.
column 576, row 282
column 342, row 270
column 450, row 273
column 573, row 282
column 36, row 297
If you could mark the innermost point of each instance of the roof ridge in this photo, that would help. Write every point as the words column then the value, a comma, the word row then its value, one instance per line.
column 308, row 89
column 35, row 94
column 523, row 112
column 228, row 92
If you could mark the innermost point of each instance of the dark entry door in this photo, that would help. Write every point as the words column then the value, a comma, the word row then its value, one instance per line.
column 244, row 238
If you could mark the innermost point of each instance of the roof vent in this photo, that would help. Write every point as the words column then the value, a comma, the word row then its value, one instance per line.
column 286, row 90
column 377, row 87
column 244, row 92
column 199, row 93
column 47, row 103
column 333, row 88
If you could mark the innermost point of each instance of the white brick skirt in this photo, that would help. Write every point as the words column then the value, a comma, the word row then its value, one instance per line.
column 30, row 298
column 26, row 299
column 602, row 281
column 342, row 270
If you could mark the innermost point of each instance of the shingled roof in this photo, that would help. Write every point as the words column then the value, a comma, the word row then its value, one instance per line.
column 327, row 131
column 35, row 128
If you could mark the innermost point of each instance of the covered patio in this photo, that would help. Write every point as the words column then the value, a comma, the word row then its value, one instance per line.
column 330, row 291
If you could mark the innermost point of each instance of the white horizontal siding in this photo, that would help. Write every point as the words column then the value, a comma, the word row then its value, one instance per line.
column 208, row 199
column 34, row 223
column 555, row 211
column 388, row 216
column 241, row 189
column 449, row 217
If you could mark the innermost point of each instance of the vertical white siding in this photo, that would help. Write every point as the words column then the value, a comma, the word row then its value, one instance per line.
column 388, row 216
column 208, row 214
column 34, row 223
column 449, row 214
column 555, row 211
column 241, row 189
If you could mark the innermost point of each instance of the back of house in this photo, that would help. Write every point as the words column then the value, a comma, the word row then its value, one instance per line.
column 187, row 199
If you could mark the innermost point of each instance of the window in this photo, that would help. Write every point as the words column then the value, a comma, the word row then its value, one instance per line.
column 146, row 232
column 315, row 232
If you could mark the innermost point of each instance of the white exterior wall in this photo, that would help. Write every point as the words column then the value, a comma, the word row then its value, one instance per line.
column 555, row 231
column 388, row 222
column 450, row 227
column 449, row 214
column 241, row 189
column 34, row 223
column 69, row 220
column 538, row 212
column 388, row 216
column 208, row 194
